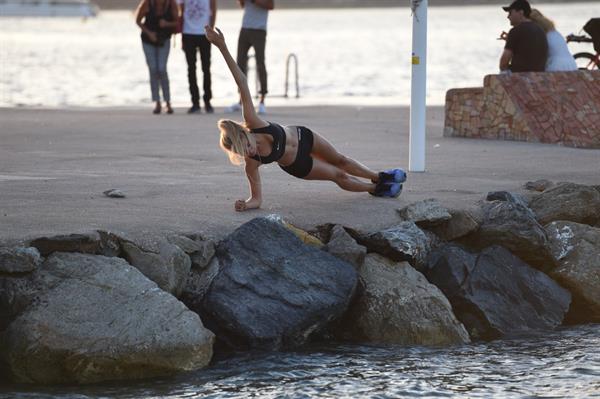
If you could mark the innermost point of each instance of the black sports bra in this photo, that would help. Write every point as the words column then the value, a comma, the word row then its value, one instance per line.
column 278, row 133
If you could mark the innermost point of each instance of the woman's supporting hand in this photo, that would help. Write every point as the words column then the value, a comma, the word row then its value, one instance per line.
column 215, row 36
column 251, row 203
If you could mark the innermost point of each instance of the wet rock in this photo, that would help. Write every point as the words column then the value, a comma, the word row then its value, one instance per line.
column 568, row 201
column 19, row 260
column 538, row 185
column 494, row 293
column 514, row 227
column 425, row 213
column 399, row 306
column 576, row 248
column 98, row 319
column 403, row 242
column 343, row 246
column 272, row 290
column 461, row 223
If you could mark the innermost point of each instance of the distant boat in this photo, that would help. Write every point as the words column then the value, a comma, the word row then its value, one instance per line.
column 47, row 8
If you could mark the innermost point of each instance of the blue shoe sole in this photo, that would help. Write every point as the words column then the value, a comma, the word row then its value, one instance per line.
column 399, row 175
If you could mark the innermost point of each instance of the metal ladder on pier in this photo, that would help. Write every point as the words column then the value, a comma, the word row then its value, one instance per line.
column 291, row 57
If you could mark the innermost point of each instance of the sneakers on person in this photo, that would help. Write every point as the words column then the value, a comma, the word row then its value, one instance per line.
column 233, row 108
column 391, row 176
column 194, row 109
column 208, row 107
column 262, row 109
column 391, row 190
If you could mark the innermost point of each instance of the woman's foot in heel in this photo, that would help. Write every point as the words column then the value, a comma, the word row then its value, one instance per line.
column 169, row 108
column 156, row 109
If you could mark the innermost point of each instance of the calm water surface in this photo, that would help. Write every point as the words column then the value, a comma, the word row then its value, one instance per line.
column 560, row 364
column 359, row 56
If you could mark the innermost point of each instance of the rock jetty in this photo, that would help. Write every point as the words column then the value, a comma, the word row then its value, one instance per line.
column 100, row 306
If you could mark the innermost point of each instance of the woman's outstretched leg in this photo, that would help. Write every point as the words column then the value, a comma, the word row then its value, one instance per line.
column 324, row 151
column 322, row 170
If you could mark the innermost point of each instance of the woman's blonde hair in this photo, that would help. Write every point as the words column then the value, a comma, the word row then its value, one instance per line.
column 545, row 23
column 234, row 138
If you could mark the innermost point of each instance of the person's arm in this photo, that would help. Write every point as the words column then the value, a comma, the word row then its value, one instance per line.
column 252, row 120
column 268, row 4
column 241, row 3
column 505, row 59
column 253, row 176
column 140, row 12
column 213, row 13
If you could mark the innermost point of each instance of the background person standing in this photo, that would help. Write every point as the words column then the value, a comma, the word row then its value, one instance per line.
column 254, row 34
column 156, row 19
column 196, row 15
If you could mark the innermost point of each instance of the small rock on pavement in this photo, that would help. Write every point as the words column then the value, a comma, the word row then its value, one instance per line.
column 114, row 193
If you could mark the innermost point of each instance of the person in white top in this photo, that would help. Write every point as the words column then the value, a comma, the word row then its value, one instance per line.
column 559, row 57
column 196, row 15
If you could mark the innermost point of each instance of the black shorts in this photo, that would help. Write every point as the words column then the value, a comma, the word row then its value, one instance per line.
column 303, row 163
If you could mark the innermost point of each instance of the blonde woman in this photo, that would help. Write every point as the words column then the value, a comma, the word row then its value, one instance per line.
column 298, row 151
column 559, row 57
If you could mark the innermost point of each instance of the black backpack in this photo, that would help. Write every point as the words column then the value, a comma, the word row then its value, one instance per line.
column 592, row 27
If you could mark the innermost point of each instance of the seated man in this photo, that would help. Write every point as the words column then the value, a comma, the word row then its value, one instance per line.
column 526, row 46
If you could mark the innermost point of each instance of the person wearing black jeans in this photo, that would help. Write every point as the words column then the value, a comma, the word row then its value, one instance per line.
column 196, row 15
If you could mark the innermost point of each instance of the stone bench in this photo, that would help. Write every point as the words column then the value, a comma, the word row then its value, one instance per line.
column 549, row 107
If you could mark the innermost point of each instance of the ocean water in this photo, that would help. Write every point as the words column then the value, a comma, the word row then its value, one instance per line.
column 559, row 364
column 357, row 56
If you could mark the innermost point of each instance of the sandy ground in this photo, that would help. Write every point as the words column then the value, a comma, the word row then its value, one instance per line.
column 55, row 164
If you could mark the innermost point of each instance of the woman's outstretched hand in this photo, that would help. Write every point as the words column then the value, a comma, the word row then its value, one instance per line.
column 215, row 36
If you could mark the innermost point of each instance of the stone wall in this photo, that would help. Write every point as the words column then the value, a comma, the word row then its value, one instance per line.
column 551, row 107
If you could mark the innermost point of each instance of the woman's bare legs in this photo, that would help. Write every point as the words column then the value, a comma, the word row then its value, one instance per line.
column 324, row 151
column 323, row 170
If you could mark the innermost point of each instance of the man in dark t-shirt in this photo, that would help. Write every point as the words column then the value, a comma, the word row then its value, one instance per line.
column 526, row 46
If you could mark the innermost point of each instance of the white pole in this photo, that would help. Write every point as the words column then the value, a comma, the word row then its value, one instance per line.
column 416, row 157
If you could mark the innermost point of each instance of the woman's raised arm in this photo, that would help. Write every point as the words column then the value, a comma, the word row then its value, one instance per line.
column 217, row 38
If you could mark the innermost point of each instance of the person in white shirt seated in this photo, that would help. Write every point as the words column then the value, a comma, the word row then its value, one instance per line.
column 559, row 57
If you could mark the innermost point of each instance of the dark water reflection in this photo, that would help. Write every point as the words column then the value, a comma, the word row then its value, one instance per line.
column 564, row 363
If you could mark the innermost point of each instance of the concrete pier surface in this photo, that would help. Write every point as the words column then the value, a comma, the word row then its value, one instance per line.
column 56, row 163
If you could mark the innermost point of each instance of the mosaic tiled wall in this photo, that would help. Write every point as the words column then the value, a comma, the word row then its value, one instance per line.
column 550, row 107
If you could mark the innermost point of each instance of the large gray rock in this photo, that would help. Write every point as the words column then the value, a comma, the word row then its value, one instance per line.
column 199, row 250
column 343, row 246
column 272, row 290
column 494, row 293
column 425, row 213
column 576, row 248
column 162, row 262
column 514, row 227
column 461, row 223
column 398, row 305
column 403, row 242
column 568, row 201
column 98, row 318
column 90, row 243
column 538, row 185
column 19, row 260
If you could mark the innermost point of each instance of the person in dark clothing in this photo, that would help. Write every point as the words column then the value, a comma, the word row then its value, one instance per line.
column 156, row 19
column 526, row 48
column 298, row 150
